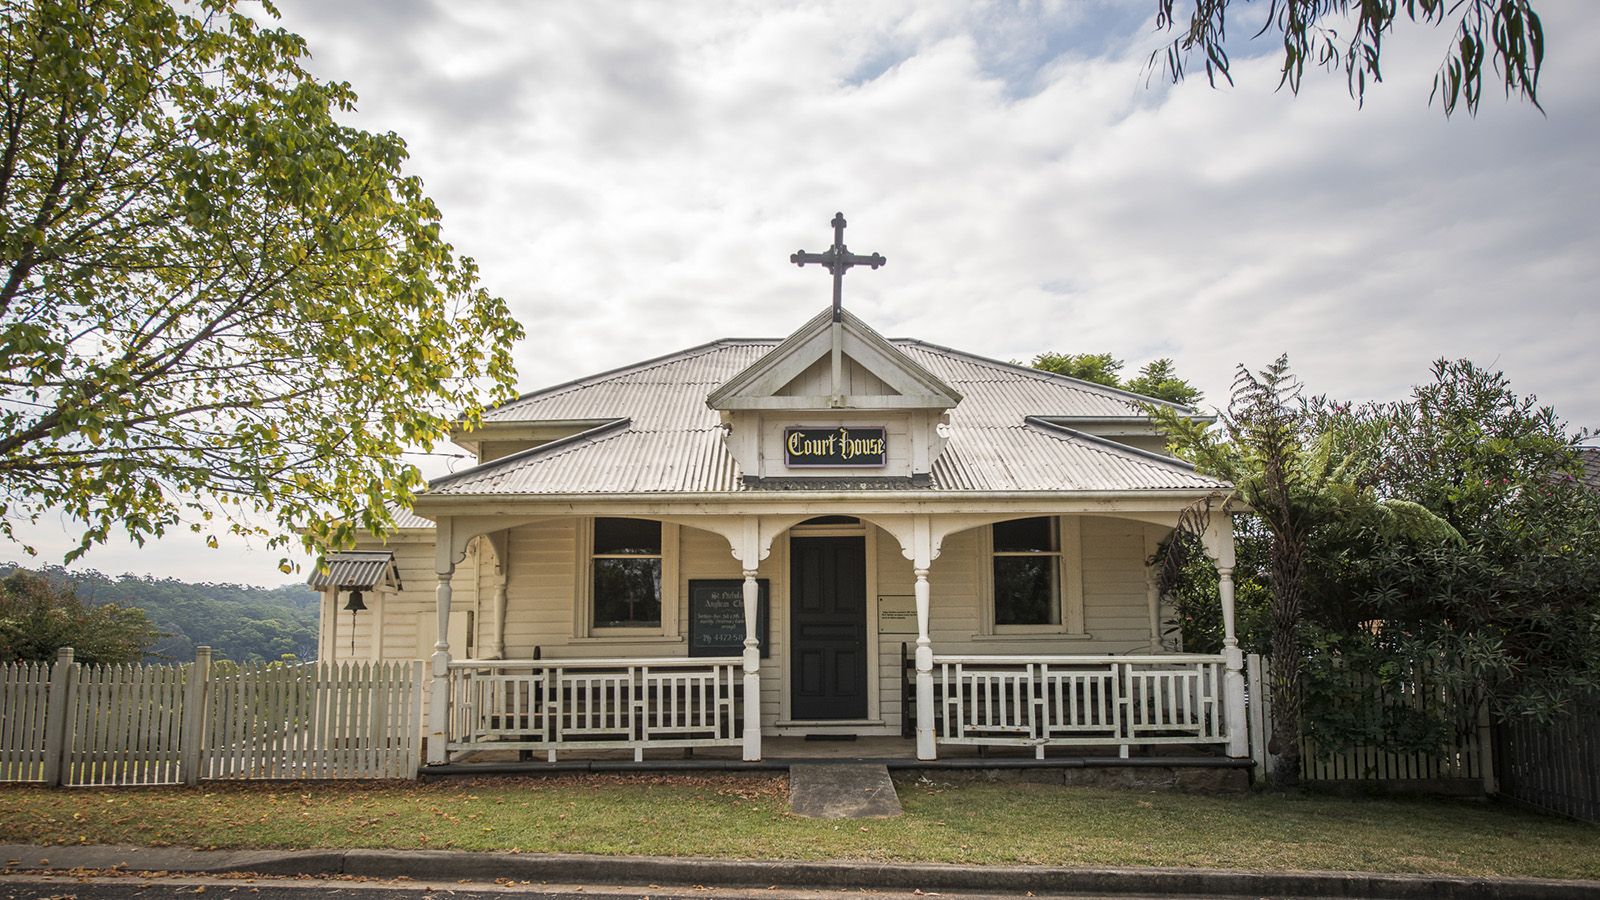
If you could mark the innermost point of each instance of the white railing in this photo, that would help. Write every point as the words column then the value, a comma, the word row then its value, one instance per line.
column 1042, row 701
column 593, row 704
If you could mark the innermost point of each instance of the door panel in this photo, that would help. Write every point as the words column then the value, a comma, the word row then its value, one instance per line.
column 828, row 623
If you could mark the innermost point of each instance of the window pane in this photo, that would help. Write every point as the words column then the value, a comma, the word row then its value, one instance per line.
column 627, row 593
column 1025, row 591
column 639, row 536
column 1021, row 535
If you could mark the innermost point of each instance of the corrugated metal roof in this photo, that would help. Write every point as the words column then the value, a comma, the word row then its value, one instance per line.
column 1034, row 457
column 999, row 393
column 355, row 569
column 664, row 439
column 667, row 392
column 1590, row 457
column 405, row 518
column 607, row 460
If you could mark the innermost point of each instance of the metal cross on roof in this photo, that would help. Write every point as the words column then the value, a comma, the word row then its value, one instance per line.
column 837, row 259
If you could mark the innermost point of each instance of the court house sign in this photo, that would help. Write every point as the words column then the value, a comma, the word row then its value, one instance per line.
column 842, row 446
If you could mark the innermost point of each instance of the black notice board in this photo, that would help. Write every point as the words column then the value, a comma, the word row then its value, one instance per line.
column 716, row 617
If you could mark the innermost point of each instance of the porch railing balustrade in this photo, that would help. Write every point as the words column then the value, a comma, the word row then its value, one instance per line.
column 1045, row 701
column 594, row 704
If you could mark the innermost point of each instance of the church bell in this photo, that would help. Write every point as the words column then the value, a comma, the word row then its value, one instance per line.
column 354, row 604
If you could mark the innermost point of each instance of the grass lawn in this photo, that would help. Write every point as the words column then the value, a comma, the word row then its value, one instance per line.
column 737, row 816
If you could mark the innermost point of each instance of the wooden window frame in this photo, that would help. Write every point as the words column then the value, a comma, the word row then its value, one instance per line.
column 584, row 626
column 1069, row 583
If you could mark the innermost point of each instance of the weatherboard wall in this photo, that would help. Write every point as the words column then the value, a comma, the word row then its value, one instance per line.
column 545, row 563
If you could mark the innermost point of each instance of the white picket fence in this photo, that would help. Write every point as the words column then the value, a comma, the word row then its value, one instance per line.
column 78, row 725
column 24, row 697
column 343, row 720
column 124, row 725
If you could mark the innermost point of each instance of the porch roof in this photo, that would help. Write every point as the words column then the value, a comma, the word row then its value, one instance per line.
column 356, row 570
column 1009, row 433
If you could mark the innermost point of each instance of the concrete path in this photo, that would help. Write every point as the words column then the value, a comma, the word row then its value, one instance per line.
column 842, row 791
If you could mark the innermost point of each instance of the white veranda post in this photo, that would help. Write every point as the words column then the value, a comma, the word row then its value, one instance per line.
column 925, row 742
column 918, row 545
column 750, row 543
column 752, row 668
column 501, row 545
column 439, row 700
column 1221, row 549
column 1152, row 600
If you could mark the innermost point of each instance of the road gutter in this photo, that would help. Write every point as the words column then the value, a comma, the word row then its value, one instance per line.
column 450, row 865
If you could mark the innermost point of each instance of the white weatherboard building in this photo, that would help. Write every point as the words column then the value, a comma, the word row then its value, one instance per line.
column 833, row 534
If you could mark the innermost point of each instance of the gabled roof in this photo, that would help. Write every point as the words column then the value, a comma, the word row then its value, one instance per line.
column 759, row 383
column 1004, row 435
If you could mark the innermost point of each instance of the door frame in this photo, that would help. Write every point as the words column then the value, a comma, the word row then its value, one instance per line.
column 874, row 723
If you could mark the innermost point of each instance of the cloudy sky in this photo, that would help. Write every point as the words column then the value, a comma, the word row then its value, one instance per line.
column 632, row 176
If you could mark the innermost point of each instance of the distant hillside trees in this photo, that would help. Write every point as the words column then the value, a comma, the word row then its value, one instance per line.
column 39, row 616
column 238, row 622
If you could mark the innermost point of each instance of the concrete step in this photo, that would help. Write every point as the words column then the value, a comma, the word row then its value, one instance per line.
column 842, row 791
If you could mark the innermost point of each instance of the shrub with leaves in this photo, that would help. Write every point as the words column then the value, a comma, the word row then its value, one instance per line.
column 1448, row 542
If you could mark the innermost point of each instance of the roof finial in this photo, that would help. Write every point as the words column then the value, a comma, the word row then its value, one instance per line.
column 837, row 259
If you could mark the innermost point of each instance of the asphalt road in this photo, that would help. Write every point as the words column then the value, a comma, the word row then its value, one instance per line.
column 123, row 887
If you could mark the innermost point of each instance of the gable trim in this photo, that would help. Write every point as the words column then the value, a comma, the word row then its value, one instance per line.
column 762, row 379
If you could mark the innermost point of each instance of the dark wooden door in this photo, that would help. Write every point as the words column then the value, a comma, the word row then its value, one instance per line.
column 828, row 620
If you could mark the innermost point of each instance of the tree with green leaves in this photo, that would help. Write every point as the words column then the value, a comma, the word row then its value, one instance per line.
column 1441, row 540
column 1509, row 614
column 1467, row 446
column 1099, row 368
column 1262, row 450
column 38, row 618
column 1292, row 472
column 1505, row 36
column 1158, row 378
column 220, row 307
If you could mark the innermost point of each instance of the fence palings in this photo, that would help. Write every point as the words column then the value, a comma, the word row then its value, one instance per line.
column 123, row 726
column 24, row 699
column 1554, row 767
column 317, row 720
column 1465, row 759
column 99, row 725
